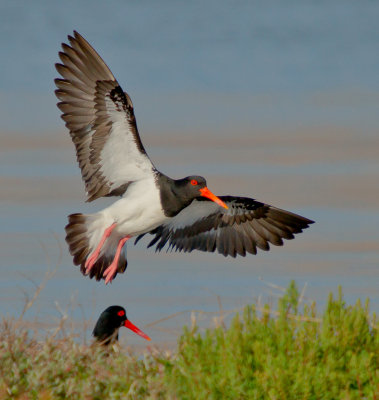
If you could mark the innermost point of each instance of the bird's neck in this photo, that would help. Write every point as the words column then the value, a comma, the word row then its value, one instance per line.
column 172, row 197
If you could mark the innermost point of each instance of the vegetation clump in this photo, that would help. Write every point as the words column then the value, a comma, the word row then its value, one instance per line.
column 263, row 354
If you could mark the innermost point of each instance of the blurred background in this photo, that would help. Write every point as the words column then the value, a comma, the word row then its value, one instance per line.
column 274, row 100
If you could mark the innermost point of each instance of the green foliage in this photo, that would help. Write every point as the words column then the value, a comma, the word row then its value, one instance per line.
column 263, row 354
column 289, row 356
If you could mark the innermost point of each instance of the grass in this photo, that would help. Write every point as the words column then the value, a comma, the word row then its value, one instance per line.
column 285, row 353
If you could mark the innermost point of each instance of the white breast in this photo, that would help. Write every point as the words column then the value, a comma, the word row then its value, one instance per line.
column 139, row 210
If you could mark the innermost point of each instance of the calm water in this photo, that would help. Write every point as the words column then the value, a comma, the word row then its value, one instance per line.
column 276, row 63
column 283, row 98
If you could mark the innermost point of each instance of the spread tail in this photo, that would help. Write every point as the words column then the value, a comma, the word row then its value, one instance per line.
column 83, row 234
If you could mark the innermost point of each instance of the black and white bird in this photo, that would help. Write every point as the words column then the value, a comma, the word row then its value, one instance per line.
column 109, row 322
column 182, row 213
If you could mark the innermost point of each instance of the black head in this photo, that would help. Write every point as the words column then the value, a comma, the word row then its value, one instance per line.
column 190, row 187
column 109, row 322
column 179, row 193
column 195, row 186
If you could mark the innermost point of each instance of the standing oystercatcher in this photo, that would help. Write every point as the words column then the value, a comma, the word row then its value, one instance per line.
column 109, row 322
column 113, row 161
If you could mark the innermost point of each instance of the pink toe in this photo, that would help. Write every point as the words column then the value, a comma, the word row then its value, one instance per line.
column 109, row 273
column 90, row 262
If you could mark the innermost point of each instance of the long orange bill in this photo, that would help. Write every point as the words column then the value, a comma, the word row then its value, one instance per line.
column 205, row 192
column 133, row 328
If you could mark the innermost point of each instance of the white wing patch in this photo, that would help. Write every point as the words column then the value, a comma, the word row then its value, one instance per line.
column 196, row 211
column 121, row 159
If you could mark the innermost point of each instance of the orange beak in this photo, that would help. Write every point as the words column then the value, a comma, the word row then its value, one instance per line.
column 133, row 328
column 205, row 192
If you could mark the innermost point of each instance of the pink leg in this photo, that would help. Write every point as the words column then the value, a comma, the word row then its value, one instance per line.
column 110, row 272
column 90, row 262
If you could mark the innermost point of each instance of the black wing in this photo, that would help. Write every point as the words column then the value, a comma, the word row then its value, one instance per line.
column 246, row 225
column 101, row 121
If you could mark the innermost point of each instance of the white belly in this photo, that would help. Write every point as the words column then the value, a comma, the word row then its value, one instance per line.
column 139, row 211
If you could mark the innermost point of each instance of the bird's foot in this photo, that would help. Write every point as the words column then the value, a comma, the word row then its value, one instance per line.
column 90, row 262
column 111, row 271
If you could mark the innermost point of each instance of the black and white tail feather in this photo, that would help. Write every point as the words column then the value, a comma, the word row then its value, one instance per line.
column 82, row 231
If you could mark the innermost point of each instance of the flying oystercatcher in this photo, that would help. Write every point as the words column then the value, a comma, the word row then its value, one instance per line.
column 109, row 322
column 182, row 213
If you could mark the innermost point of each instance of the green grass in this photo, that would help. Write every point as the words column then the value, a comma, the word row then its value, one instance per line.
column 286, row 353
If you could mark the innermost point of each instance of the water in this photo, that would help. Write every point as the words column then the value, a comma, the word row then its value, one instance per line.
column 185, row 64
column 283, row 99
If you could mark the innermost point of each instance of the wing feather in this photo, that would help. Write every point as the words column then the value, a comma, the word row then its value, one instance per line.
column 246, row 225
column 100, row 117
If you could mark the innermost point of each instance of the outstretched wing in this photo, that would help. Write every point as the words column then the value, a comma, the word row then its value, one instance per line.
column 244, row 226
column 101, row 121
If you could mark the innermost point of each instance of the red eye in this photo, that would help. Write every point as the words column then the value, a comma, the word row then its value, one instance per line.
column 121, row 313
column 194, row 182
